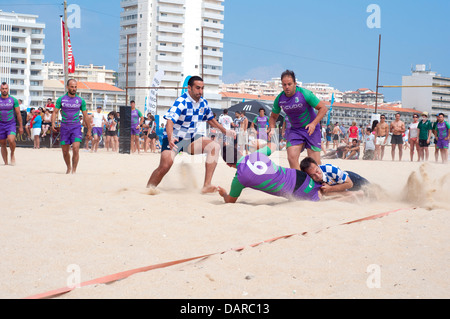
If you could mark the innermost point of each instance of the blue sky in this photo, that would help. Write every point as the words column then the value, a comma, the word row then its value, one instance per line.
column 322, row 40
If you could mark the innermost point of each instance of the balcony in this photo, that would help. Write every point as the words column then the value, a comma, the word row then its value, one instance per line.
column 169, row 48
column 168, row 58
column 166, row 29
column 212, row 25
column 171, row 10
column 172, row 1
column 169, row 39
column 171, row 19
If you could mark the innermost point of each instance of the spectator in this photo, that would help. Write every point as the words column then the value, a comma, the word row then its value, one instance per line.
column 50, row 105
column 369, row 145
column 353, row 150
column 36, row 131
column 46, row 122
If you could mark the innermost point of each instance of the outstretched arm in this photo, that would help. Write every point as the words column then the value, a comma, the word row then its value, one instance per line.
column 227, row 198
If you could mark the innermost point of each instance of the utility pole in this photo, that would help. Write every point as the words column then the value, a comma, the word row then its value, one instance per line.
column 126, row 75
column 66, row 46
column 203, row 67
column 378, row 75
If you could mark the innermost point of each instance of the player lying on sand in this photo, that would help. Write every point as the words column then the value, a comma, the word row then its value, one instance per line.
column 257, row 171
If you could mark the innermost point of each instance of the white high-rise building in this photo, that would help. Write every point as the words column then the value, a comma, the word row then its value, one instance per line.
column 168, row 35
column 86, row 73
column 21, row 55
column 428, row 91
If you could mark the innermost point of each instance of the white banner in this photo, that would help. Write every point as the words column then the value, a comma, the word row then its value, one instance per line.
column 152, row 97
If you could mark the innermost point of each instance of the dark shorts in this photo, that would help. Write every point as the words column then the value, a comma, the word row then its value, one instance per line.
column 329, row 138
column 6, row 129
column 152, row 135
column 70, row 135
column 111, row 133
column 397, row 139
column 423, row 143
column 182, row 144
column 358, row 181
column 335, row 137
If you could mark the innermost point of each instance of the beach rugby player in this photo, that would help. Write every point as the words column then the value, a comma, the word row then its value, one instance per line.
column 70, row 105
column 8, row 107
column 303, row 128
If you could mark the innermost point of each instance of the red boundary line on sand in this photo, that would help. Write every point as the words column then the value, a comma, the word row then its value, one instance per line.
column 126, row 274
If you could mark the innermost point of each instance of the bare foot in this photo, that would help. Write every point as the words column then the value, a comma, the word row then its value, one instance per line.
column 209, row 189
column 69, row 170
column 13, row 160
column 153, row 190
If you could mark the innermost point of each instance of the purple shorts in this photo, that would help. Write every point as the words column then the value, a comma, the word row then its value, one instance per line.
column 70, row 135
column 97, row 131
column 262, row 134
column 441, row 144
column 135, row 131
column 6, row 129
column 297, row 136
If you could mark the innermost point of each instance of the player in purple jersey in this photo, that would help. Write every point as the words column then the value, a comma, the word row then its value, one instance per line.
column 70, row 106
column 441, row 130
column 258, row 172
column 302, row 123
column 8, row 107
column 136, row 123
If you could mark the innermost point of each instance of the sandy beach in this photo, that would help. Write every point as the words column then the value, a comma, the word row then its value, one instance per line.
column 103, row 221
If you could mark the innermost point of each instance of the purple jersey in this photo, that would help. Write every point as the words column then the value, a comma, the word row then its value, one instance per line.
column 257, row 171
column 70, row 109
column 135, row 118
column 441, row 129
column 7, row 109
column 299, row 108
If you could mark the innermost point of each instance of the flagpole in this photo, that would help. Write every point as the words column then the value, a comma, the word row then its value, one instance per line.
column 66, row 46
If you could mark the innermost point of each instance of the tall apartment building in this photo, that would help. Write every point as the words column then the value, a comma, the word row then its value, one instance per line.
column 168, row 35
column 433, row 96
column 363, row 96
column 21, row 56
column 85, row 73
column 273, row 87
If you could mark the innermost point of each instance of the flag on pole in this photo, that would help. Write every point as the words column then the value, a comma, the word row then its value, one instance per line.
column 155, row 85
column 185, row 84
column 70, row 57
column 331, row 109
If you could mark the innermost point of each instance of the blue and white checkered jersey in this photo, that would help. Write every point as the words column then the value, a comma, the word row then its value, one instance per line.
column 333, row 175
column 186, row 114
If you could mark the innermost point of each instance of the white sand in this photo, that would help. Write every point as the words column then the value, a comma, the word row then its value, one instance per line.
column 103, row 221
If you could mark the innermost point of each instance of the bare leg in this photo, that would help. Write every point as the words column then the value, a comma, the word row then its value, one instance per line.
column 66, row 156
column 75, row 156
column 4, row 151
column 293, row 154
column 165, row 164
column 212, row 150
column 315, row 155
column 12, row 148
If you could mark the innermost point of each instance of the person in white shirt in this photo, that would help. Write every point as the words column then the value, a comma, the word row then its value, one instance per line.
column 369, row 145
column 98, row 120
column 226, row 121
